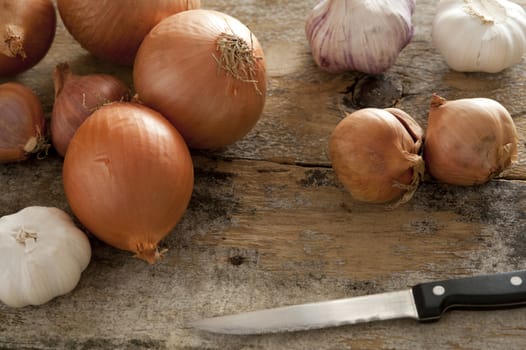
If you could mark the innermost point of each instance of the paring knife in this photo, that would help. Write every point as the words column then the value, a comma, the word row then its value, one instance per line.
column 423, row 302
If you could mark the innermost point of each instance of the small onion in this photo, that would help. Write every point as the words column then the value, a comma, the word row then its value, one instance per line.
column 113, row 29
column 128, row 177
column 205, row 71
column 468, row 141
column 375, row 154
column 22, row 123
column 76, row 98
column 27, row 30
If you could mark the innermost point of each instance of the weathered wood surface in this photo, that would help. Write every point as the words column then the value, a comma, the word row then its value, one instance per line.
column 269, row 224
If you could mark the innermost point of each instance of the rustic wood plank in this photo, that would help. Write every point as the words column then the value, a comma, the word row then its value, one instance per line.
column 260, row 234
column 269, row 224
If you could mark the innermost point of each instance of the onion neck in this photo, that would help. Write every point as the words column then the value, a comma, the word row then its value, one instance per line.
column 149, row 252
column 418, row 168
column 437, row 101
column 61, row 73
column 12, row 41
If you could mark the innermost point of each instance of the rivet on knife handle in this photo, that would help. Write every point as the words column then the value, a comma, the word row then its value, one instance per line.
column 485, row 291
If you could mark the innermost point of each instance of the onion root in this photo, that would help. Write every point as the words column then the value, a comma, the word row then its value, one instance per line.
column 13, row 42
column 237, row 58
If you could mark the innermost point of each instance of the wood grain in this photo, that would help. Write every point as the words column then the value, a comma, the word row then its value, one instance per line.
column 269, row 224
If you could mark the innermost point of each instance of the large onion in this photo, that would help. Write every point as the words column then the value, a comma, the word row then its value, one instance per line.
column 27, row 29
column 113, row 29
column 205, row 71
column 128, row 177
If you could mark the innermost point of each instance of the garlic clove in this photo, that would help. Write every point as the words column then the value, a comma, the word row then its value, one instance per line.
column 365, row 36
column 480, row 35
column 469, row 141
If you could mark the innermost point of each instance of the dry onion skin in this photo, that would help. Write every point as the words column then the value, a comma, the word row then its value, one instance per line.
column 27, row 30
column 205, row 71
column 113, row 29
column 128, row 177
column 468, row 141
column 22, row 123
column 375, row 154
column 76, row 98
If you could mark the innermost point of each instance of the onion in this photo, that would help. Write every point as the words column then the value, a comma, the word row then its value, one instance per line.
column 22, row 123
column 204, row 71
column 113, row 29
column 375, row 154
column 27, row 30
column 469, row 141
column 76, row 98
column 128, row 177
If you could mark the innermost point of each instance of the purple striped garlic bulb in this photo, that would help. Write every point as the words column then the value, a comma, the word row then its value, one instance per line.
column 359, row 35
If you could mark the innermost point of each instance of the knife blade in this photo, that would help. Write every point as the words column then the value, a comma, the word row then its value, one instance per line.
column 423, row 302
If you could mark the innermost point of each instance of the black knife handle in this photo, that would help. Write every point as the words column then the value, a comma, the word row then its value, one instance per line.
column 485, row 291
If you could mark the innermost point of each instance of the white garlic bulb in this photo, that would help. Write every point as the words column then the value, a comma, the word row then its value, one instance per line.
column 42, row 255
column 480, row 35
column 359, row 35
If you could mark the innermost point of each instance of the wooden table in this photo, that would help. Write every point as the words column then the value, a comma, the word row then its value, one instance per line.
column 269, row 224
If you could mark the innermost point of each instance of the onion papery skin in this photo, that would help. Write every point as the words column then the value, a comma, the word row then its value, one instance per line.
column 22, row 123
column 375, row 154
column 177, row 72
column 76, row 98
column 27, row 30
column 113, row 29
column 128, row 177
column 468, row 141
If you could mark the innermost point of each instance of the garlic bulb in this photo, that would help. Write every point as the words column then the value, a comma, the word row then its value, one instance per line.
column 359, row 35
column 375, row 153
column 480, row 35
column 469, row 141
column 42, row 255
